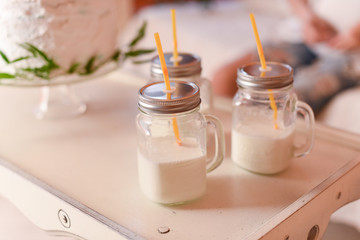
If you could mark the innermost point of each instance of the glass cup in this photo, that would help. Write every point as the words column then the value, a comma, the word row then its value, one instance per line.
column 172, row 137
column 265, row 112
column 187, row 68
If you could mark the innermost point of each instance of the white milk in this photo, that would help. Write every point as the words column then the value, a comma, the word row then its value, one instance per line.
column 262, row 149
column 173, row 176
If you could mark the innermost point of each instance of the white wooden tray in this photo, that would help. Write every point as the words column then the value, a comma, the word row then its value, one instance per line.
column 78, row 176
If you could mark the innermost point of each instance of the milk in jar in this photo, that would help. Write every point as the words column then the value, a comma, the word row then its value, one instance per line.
column 268, row 152
column 175, row 175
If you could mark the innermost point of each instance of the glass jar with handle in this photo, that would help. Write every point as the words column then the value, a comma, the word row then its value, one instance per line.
column 265, row 112
column 172, row 143
column 187, row 68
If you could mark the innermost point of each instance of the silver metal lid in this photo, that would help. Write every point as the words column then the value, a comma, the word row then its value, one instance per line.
column 277, row 75
column 188, row 65
column 154, row 98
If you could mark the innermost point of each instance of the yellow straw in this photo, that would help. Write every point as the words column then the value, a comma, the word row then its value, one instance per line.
column 175, row 52
column 167, row 82
column 263, row 66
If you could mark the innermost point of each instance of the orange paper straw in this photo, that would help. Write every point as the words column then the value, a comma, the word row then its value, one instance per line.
column 263, row 66
column 176, row 131
column 274, row 108
column 258, row 43
column 175, row 52
column 167, row 82
column 162, row 61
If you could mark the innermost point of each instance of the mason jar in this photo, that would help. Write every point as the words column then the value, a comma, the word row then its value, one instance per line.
column 187, row 68
column 265, row 112
column 172, row 143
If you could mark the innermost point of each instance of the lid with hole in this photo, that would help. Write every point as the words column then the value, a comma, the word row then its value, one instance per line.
column 183, row 96
column 277, row 75
column 187, row 65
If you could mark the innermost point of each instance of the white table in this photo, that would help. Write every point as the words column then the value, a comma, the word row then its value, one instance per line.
column 78, row 176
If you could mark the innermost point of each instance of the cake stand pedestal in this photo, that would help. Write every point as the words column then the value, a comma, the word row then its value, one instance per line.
column 58, row 98
column 58, row 102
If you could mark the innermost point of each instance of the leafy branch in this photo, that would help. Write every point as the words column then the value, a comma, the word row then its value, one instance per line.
column 91, row 65
column 140, row 35
column 133, row 52
column 42, row 72
column 49, row 65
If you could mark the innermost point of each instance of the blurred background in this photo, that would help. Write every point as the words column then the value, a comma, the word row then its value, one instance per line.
column 219, row 32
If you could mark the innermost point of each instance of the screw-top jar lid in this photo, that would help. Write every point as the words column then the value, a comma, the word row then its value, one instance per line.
column 277, row 75
column 188, row 65
column 154, row 98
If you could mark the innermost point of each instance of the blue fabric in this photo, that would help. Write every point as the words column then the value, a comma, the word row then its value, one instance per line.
column 316, row 79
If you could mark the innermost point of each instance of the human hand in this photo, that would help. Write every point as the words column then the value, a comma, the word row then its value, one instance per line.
column 347, row 41
column 316, row 29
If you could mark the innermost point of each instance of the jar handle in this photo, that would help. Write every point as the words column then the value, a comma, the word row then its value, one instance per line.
column 305, row 110
column 219, row 142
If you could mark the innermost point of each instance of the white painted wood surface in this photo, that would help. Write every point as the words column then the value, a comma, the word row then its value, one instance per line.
column 89, row 166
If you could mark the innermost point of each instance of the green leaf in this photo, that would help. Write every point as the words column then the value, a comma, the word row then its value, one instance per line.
column 142, row 61
column 20, row 59
column 138, row 52
column 4, row 57
column 73, row 68
column 28, row 48
column 89, row 65
column 139, row 36
column 37, row 52
column 116, row 55
column 42, row 72
column 13, row 61
column 41, row 53
column 34, row 50
column 6, row 75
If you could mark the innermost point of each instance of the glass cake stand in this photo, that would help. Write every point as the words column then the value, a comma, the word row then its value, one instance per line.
column 58, row 98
